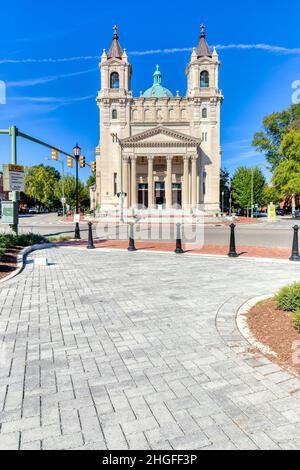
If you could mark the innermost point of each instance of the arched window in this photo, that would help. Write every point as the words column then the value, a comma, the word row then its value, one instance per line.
column 114, row 114
column 114, row 80
column 204, row 79
column 204, row 113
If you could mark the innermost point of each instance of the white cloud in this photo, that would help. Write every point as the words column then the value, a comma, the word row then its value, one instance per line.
column 51, row 99
column 41, row 80
column 260, row 46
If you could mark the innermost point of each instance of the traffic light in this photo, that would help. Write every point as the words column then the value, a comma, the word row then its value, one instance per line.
column 70, row 162
column 54, row 155
column 93, row 167
column 82, row 162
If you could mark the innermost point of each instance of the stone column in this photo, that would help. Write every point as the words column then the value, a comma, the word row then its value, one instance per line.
column 133, row 181
column 150, row 182
column 194, row 181
column 125, row 176
column 168, row 187
column 186, row 182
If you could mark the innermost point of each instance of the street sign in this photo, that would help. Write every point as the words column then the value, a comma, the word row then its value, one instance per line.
column 271, row 212
column 9, row 212
column 13, row 177
column 76, row 218
column 63, row 200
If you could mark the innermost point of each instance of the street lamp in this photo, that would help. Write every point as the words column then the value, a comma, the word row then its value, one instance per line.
column 222, row 202
column 77, row 151
column 63, row 200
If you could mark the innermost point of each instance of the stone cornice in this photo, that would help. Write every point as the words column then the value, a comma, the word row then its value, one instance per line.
column 159, row 144
column 138, row 140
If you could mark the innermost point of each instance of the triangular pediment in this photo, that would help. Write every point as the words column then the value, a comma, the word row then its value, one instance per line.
column 161, row 134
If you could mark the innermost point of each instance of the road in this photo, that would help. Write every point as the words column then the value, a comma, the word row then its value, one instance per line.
column 272, row 234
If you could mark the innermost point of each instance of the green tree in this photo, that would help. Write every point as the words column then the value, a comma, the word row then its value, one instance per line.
column 242, row 186
column 91, row 181
column 286, row 179
column 224, row 187
column 70, row 192
column 40, row 184
column 270, row 194
column 270, row 140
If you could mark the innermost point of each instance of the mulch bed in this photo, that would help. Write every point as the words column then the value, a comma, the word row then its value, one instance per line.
column 9, row 261
column 274, row 328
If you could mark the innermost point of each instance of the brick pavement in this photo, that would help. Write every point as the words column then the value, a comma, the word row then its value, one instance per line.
column 139, row 350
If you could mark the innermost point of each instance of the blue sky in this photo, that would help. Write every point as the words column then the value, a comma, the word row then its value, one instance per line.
column 55, row 99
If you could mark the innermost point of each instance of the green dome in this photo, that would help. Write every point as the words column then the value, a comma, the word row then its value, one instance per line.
column 157, row 90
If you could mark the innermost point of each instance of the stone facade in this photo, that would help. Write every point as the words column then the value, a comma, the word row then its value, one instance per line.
column 159, row 149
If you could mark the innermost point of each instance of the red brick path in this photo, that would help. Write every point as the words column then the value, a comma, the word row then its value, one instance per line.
column 248, row 251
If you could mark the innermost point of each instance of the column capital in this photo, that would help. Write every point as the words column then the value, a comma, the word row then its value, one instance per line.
column 194, row 157
column 150, row 157
column 186, row 157
column 169, row 158
column 125, row 158
column 133, row 158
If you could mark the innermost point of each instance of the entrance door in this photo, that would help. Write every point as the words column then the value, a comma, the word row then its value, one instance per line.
column 160, row 193
column 143, row 194
column 176, row 195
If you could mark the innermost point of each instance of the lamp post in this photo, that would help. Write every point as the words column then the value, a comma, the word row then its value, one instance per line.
column 222, row 202
column 77, row 151
column 63, row 200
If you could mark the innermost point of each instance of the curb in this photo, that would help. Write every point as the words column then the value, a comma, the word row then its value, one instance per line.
column 22, row 258
column 242, row 325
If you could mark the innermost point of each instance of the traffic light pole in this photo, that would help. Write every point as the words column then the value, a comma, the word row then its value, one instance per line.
column 13, row 132
column 77, row 228
column 15, row 196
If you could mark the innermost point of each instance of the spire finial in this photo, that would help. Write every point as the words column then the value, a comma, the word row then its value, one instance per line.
column 116, row 32
column 157, row 67
column 202, row 29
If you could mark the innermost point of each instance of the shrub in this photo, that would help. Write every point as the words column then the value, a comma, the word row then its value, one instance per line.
column 296, row 320
column 60, row 238
column 288, row 298
column 28, row 239
column 2, row 251
column 8, row 240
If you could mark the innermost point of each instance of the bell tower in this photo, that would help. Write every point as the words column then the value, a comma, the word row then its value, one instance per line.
column 203, row 69
column 114, row 102
column 115, row 70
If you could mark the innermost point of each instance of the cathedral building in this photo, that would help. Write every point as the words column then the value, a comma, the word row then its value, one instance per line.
column 161, row 150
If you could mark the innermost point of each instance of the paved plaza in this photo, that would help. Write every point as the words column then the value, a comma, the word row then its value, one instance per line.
column 118, row 350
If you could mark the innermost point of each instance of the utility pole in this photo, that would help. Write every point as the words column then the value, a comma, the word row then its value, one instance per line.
column 63, row 201
column 15, row 196
column 252, row 201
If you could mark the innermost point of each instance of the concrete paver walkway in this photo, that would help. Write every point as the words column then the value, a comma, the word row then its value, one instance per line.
column 140, row 350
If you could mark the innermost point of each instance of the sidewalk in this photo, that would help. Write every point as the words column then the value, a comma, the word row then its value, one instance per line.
column 218, row 250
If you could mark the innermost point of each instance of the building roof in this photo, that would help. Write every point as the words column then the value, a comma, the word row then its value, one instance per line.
column 202, row 49
column 157, row 90
column 115, row 50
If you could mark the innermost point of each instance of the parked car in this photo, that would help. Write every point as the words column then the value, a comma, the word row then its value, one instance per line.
column 297, row 214
column 279, row 211
column 60, row 213
column 33, row 210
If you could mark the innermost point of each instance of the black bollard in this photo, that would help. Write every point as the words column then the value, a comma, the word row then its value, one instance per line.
column 91, row 245
column 131, row 239
column 77, row 232
column 295, row 248
column 232, row 251
column 178, row 239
